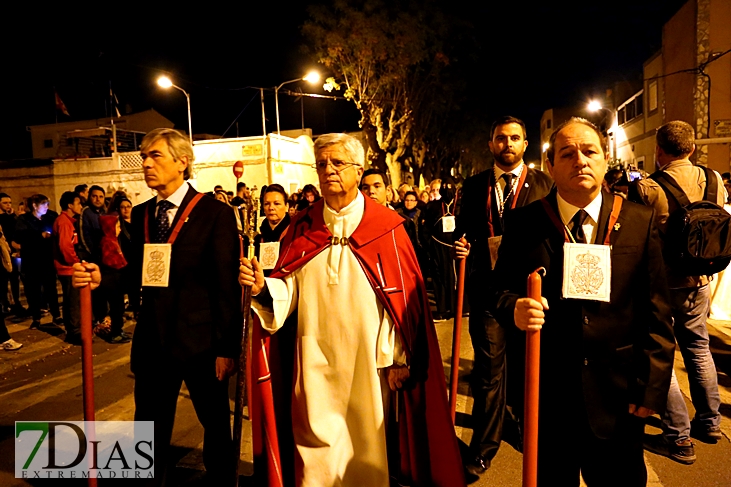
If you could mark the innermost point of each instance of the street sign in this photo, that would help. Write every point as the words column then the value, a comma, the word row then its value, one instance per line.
column 723, row 128
column 238, row 169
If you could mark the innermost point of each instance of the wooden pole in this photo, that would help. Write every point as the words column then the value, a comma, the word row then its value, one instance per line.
column 456, row 338
column 532, row 377
column 241, row 396
column 87, row 371
column 249, row 226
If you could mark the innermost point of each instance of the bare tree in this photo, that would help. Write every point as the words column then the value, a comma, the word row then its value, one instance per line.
column 388, row 57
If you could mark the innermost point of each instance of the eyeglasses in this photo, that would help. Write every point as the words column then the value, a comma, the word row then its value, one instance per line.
column 336, row 164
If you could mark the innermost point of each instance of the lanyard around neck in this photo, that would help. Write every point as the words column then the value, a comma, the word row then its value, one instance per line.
column 491, row 190
column 613, row 217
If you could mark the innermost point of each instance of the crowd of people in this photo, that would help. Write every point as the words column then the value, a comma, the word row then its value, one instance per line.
column 43, row 246
column 40, row 245
column 344, row 332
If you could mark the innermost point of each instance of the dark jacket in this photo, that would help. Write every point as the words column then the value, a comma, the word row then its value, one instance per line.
column 474, row 222
column 200, row 311
column 596, row 356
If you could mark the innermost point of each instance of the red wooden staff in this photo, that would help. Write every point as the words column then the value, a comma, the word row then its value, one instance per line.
column 456, row 337
column 532, row 378
column 87, row 369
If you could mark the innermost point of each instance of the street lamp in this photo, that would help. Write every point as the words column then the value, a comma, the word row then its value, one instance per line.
column 311, row 77
column 164, row 82
column 595, row 106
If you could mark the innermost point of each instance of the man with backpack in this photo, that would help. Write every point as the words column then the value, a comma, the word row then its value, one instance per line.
column 678, row 192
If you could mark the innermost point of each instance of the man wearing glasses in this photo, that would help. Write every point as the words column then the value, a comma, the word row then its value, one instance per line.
column 368, row 398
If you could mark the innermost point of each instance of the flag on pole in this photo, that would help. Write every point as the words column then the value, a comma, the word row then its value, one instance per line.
column 60, row 106
column 113, row 102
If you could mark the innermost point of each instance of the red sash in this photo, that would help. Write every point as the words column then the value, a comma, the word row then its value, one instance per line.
column 616, row 208
column 178, row 226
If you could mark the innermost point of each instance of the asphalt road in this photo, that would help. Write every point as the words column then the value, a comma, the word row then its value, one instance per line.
column 42, row 381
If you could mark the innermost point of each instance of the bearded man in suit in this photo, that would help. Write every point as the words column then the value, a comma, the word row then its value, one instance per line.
column 486, row 198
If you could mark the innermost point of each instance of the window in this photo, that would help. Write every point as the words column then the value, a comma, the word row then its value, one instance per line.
column 652, row 99
column 548, row 123
column 639, row 104
column 48, row 143
column 621, row 116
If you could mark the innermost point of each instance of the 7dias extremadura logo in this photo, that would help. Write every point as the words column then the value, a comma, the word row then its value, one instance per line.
column 78, row 449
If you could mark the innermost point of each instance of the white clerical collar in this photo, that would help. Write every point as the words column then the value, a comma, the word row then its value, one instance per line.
column 177, row 197
column 353, row 206
column 341, row 224
column 567, row 210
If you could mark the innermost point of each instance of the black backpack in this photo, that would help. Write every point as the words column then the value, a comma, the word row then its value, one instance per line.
column 698, row 235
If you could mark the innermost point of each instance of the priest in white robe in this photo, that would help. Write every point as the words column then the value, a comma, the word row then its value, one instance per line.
column 366, row 361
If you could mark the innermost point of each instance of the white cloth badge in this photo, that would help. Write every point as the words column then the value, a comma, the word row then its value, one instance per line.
column 494, row 244
column 268, row 254
column 156, row 265
column 587, row 271
column 448, row 224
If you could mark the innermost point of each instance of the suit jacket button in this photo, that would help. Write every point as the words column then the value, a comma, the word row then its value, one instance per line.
column 586, row 320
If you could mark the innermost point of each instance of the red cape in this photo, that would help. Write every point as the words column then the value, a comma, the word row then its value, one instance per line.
column 422, row 445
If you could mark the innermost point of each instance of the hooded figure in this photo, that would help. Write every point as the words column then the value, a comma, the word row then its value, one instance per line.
column 111, row 251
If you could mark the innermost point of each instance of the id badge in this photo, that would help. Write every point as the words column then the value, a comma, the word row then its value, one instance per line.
column 156, row 265
column 494, row 244
column 448, row 224
column 268, row 254
column 587, row 272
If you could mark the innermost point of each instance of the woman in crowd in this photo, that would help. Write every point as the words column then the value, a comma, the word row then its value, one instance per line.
column 277, row 219
column 221, row 196
column 310, row 194
column 111, row 290
column 33, row 234
column 123, row 207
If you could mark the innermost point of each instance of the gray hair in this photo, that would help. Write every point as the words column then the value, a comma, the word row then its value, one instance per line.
column 352, row 146
column 178, row 145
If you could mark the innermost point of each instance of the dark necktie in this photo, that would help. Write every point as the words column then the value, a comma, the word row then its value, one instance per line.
column 578, row 230
column 507, row 192
column 162, row 223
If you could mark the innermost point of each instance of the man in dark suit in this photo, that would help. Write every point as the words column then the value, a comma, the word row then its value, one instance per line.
column 485, row 199
column 189, row 329
column 605, row 366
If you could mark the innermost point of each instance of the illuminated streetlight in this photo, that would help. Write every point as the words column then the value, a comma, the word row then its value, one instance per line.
column 610, row 120
column 311, row 77
column 546, row 145
column 164, row 82
column 594, row 106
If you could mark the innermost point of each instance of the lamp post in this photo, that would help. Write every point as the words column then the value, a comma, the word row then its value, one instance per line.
column 164, row 82
column 595, row 106
column 312, row 77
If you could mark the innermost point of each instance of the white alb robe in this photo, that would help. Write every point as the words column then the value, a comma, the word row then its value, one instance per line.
column 343, row 338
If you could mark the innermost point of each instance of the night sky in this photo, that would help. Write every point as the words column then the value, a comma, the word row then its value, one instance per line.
column 522, row 61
